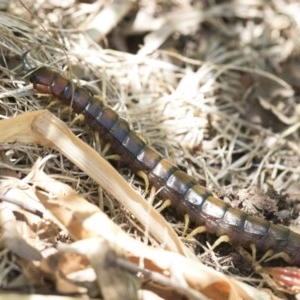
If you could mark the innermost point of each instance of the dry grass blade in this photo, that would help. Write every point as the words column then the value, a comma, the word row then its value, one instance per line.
column 216, row 90
column 114, row 281
column 16, row 296
column 42, row 127
column 10, row 235
column 110, row 15
column 10, row 206
column 84, row 220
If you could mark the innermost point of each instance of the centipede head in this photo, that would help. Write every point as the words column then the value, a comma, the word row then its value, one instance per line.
column 42, row 79
column 38, row 76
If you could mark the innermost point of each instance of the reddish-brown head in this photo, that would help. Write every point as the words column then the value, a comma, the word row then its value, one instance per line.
column 47, row 81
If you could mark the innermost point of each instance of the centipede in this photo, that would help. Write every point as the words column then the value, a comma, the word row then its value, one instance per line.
column 187, row 197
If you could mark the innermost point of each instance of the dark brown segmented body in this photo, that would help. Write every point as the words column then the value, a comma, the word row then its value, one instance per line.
column 185, row 194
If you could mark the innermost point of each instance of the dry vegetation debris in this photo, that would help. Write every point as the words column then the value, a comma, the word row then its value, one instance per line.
column 213, row 85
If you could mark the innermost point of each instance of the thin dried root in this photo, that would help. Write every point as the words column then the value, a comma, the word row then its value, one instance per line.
column 144, row 176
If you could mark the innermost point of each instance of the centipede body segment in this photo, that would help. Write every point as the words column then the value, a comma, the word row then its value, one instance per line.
column 187, row 197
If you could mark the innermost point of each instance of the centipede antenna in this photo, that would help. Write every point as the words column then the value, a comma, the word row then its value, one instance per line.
column 25, row 63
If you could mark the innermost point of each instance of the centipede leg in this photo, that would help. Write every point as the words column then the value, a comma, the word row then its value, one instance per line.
column 282, row 255
column 201, row 229
column 152, row 195
column 254, row 256
column 165, row 204
column 77, row 118
column 186, row 224
column 115, row 157
column 222, row 239
column 266, row 257
column 105, row 149
column 144, row 176
column 251, row 257
column 197, row 230
column 265, row 273
column 101, row 99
